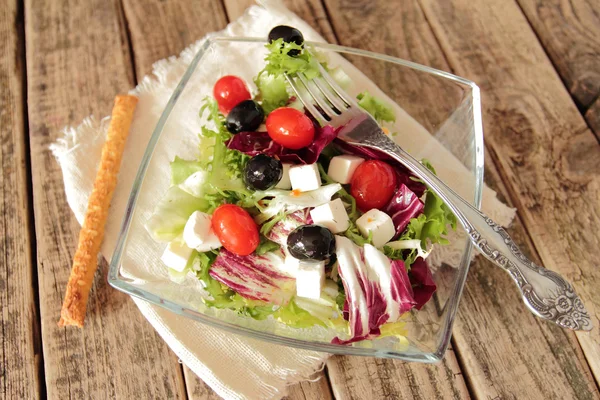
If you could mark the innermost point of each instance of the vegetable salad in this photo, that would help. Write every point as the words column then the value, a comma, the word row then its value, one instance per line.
column 278, row 218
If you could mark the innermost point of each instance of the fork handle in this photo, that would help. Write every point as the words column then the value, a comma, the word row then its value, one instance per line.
column 546, row 293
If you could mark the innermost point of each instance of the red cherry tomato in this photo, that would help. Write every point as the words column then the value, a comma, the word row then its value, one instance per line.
column 229, row 92
column 235, row 229
column 373, row 184
column 290, row 128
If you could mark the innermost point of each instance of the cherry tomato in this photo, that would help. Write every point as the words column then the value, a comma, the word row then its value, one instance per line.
column 229, row 92
column 235, row 229
column 290, row 128
column 373, row 184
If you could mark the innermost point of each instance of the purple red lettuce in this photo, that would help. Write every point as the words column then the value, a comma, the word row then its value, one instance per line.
column 422, row 282
column 403, row 206
column 377, row 290
column 254, row 277
column 253, row 143
column 281, row 230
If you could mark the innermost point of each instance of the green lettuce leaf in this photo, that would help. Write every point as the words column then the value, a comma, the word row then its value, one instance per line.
column 295, row 316
column 431, row 227
column 272, row 91
column 279, row 62
column 266, row 246
column 378, row 109
column 172, row 212
column 225, row 166
column 181, row 169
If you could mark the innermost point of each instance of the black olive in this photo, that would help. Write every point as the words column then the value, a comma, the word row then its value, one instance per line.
column 288, row 34
column 262, row 172
column 246, row 116
column 311, row 243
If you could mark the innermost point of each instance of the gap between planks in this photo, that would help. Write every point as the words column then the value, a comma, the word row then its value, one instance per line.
column 22, row 371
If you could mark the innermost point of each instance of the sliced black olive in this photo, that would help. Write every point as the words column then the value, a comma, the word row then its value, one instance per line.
column 246, row 116
column 311, row 243
column 288, row 34
column 262, row 172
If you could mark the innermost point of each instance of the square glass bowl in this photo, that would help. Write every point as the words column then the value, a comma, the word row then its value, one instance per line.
column 433, row 108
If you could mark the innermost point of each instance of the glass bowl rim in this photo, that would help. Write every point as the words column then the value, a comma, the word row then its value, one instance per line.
column 121, row 284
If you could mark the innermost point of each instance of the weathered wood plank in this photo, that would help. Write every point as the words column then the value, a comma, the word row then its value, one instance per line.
column 317, row 388
column 20, row 353
column 546, row 156
column 570, row 33
column 377, row 378
column 160, row 29
column 77, row 60
column 312, row 11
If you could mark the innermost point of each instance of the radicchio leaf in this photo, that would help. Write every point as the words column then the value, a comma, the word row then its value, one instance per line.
column 403, row 206
column 422, row 282
column 377, row 290
column 254, row 277
column 283, row 228
column 253, row 143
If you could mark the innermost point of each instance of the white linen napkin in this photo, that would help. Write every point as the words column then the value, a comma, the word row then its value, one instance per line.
column 235, row 367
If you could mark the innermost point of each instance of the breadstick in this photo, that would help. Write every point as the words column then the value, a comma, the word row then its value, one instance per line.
column 92, row 231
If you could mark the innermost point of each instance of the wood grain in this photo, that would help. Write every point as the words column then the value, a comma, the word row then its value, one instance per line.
column 377, row 378
column 569, row 30
column 20, row 353
column 77, row 60
column 311, row 11
column 545, row 153
column 160, row 29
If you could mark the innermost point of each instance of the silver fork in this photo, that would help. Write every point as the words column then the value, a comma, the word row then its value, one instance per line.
column 546, row 293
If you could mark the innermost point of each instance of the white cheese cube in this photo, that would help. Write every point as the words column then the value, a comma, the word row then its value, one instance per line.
column 378, row 223
column 341, row 168
column 285, row 182
column 305, row 177
column 310, row 279
column 290, row 266
column 212, row 242
column 196, row 229
column 176, row 256
column 332, row 216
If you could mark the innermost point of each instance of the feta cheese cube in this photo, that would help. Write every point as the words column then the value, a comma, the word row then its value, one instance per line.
column 290, row 265
column 341, row 168
column 196, row 229
column 305, row 177
column 332, row 216
column 379, row 224
column 310, row 279
column 285, row 182
column 176, row 256
column 212, row 242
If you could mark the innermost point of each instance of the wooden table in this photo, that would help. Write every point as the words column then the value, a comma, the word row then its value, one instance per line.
column 538, row 65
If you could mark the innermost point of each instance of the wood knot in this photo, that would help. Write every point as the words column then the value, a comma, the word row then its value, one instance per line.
column 516, row 134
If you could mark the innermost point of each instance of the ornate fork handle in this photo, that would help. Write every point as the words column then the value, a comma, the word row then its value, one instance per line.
column 545, row 292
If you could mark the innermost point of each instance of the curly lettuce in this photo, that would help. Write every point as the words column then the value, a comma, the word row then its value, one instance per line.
column 380, row 110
